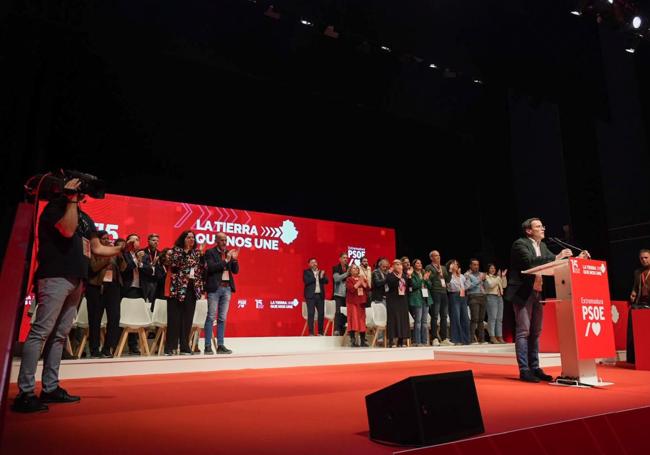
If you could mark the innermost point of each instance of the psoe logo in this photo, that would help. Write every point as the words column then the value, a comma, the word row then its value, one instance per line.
column 259, row 304
column 356, row 253
column 575, row 267
column 241, row 303
column 284, row 304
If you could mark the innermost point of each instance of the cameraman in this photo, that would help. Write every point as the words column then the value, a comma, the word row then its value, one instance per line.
column 66, row 236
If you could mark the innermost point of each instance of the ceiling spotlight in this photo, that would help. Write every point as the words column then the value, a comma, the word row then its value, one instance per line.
column 630, row 50
column 478, row 81
column 576, row 13
column 306, row 22
column 611, row 2
column 384, row 48
column 636, row 22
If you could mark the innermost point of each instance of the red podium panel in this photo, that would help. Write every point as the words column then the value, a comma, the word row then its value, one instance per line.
column 592, row 309
column 641, row 329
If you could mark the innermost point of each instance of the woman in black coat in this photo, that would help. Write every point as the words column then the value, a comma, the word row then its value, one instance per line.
column 397, row 304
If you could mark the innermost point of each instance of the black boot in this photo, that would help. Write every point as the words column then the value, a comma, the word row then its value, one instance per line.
column 353, row 340
column 362, row 338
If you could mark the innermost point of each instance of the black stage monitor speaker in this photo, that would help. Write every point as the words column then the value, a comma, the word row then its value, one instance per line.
column 425, row 410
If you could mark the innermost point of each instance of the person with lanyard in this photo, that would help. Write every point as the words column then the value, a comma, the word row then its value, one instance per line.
column 187, row 265
column 419, row 301
column 66, row 238
column 458, row 311
column 639, row 298
column 223, row 265
column 495, row 283
column 151, row 272
column 356, row 297
column 103, row 293
column 397, row 282
column 439, row 300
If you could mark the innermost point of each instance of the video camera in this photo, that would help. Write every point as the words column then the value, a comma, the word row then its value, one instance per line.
column 51, row 185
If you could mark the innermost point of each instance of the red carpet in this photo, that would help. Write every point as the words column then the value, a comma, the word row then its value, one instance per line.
column 288, row 410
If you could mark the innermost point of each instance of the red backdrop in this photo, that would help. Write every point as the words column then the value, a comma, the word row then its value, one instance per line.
column 274, row 250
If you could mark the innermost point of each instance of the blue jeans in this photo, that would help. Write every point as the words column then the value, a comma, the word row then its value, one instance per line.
column 439, row 307
column 218, row 303
column 495, row 315
column 459, row 318
column 528, row 320
column 420, row 330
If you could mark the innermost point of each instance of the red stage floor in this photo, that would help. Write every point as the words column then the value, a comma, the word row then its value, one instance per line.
column 287, row 410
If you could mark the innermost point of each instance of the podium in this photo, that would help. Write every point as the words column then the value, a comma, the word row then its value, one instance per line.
column 584, row 317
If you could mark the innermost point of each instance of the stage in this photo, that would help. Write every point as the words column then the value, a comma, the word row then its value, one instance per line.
column 287, row 395
column 282, row 352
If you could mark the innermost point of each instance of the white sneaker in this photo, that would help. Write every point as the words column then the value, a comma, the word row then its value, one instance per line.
column 436, row 342
column 446, row 342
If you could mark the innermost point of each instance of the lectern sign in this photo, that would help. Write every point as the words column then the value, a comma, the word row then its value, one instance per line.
column 592, row 309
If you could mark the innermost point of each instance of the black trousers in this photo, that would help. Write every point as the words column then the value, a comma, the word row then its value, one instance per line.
column 103, row 298
column 132, row 293
column 149, row 291
column 339, row 318
column 179, row 321
column 630, row 355
column 317, row 303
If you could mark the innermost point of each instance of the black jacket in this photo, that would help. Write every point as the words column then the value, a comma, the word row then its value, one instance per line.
column 127, row 274
column 216, row 266
column 522, row 257
column 310, row 283
column 152, row 272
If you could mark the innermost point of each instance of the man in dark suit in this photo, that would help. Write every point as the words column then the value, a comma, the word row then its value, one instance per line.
column 525, row 293
column 315, row 281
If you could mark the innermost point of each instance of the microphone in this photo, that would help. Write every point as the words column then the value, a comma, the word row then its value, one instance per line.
column 567, row 245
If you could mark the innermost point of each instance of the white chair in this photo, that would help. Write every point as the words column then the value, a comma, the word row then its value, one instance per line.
column 344, row 312
column 159, row 321
column 198, row 322
column 135, row 316
column 330, row 314
column 81, row 321
column 305, row 317
column 379, row 320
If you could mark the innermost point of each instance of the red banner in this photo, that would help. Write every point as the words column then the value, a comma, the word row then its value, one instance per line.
column 274, row 250
column 592, row 309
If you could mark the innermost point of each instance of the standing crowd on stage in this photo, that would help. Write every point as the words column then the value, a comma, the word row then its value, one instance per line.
column 460, row 307
column 74, row 259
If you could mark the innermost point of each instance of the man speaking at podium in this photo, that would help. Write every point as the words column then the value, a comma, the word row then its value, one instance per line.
column 525, row 293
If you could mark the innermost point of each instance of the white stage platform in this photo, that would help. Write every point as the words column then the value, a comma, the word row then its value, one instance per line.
column 281, row 352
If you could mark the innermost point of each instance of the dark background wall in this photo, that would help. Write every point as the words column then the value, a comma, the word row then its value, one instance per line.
column 217, row 103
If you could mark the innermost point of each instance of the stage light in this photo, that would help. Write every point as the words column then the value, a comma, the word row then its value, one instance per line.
column 306, row 22
column 478, row 81
column 576, row 13
column 630, row 50
column 384, row 48
column 611, row 2
column 636, row 22
column 433, row 65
